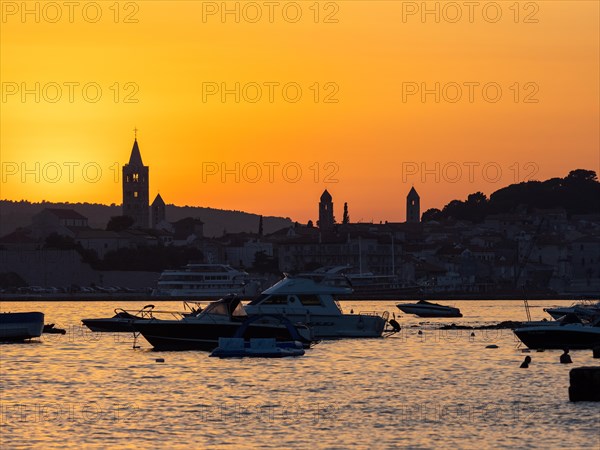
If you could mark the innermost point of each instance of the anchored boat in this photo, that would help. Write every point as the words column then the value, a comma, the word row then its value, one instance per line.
column 424, row 308
column 223, row 318
column 310, row 301
column 20, row 326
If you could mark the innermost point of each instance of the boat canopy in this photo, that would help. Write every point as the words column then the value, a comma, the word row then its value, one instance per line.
column 230, row 306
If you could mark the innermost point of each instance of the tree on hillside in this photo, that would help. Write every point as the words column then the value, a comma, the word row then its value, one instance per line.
column 431, row 214
column 346, row 217
column 582, row 175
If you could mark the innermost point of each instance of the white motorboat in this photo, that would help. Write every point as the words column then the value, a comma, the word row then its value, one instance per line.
column 21, row 326
column 585, row 308
column 208, row 281
column 310, row 301
column 364, row 284
column 424, row 308
column 568, row 333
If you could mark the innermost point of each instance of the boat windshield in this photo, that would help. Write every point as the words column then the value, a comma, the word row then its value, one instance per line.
column 229, row 306
column 425, row 302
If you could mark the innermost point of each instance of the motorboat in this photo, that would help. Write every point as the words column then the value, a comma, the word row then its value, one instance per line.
column 122, row 320
column 207, row 281
column 584, row 308
column 364, row 284
column 570, row 332
column 256, row 348
column 311, row 301
column 20, row 326
column 423, row 308
column 222, row 318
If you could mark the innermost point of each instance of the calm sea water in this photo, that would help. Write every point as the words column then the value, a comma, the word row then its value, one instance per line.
column 436, row 389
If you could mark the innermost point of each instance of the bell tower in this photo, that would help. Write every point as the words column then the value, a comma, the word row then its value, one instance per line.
column 413, row 207
column 136, row 183
column 326, row 219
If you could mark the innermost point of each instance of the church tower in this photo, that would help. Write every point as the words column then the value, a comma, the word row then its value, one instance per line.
column 136, row 182
column 158, row 211
column 413, row 207
column 326, row 219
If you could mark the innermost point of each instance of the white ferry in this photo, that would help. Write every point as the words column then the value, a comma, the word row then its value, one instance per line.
column 205, row 281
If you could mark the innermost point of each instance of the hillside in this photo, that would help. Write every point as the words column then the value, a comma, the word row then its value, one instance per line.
column 19, row 214
column 577, row 193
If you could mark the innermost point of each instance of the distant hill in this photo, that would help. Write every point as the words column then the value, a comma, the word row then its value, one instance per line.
column 577, row 193
column 19, row 214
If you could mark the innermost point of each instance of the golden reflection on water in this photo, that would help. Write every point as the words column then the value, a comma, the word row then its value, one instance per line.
column 435, row 389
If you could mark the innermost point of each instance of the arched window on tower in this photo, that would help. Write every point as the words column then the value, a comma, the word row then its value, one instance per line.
column 136, row 177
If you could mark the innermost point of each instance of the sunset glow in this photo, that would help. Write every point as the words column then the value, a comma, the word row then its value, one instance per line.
column 507, row 98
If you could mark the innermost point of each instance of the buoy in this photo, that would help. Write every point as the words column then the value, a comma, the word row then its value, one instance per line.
column 472, row 334
column 565, row 358
column 420, row 332
column 492, row 346
column 525, row 363
column 160, row 360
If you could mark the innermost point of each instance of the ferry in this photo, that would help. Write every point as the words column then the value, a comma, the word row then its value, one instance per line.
column 205, row 281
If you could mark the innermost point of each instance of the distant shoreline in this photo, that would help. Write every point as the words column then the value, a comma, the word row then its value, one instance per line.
column 148, row 298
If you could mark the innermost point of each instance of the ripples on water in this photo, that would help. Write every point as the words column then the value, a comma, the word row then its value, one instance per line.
column 438, row 389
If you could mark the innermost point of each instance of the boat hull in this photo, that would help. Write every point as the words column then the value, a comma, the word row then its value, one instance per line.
column 346, row 326
column 430, row 311
column 338, row 326
column 113, row 324
column 552, row 337
column 21, row 326
column 189, row 335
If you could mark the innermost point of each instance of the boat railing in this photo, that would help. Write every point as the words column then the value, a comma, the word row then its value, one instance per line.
column 384, row 315
column 151, row 313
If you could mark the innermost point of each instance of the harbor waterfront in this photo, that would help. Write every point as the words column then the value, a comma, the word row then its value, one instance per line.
column 420, row 388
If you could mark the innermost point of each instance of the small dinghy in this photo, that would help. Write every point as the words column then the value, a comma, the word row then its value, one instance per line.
column 428, row 309
column 256, row 348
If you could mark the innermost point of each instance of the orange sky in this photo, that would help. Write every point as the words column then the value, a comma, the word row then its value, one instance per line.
column 376, row 139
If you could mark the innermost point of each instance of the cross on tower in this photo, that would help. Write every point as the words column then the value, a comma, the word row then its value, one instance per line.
column 135, row 130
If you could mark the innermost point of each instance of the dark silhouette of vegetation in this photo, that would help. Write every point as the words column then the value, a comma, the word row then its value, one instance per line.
column 119, row 223
column 260, row 226
column 346, row 217
column 577, row 193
